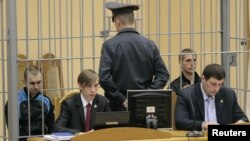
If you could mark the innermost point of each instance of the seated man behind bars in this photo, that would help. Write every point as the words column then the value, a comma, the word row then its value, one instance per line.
column 36, row 112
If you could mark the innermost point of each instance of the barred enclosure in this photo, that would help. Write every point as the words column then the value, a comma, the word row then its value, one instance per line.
column 63, row 37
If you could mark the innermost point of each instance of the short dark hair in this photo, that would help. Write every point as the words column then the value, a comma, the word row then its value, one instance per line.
column 214, row 70
column 31, row 69
column 125, row 18
column 187, row 51
column 87, row 77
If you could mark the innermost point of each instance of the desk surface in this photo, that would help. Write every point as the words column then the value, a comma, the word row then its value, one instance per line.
column 180, row 133
column 137, row 134
column 177, row 135
column 174, row 135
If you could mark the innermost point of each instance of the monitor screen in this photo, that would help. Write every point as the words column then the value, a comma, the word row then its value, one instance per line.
column 150, row 108
column 111, row 119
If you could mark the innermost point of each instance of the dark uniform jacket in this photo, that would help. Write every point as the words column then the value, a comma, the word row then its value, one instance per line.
column 130, row 61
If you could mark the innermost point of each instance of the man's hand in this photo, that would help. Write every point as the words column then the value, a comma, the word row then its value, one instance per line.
column 205, row 125
column 239, row 122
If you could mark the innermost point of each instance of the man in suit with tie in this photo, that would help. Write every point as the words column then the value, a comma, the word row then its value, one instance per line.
column 208, row 102
column 78, row 111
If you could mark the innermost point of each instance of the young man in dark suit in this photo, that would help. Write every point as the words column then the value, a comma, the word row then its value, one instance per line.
column 74, row 110
column 208, row 102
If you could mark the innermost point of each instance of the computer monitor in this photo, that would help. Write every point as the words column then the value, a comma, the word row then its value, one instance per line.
column 150, row 108
column 111, row 119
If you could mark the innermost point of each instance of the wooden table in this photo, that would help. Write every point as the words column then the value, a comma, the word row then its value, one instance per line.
column 133, row 134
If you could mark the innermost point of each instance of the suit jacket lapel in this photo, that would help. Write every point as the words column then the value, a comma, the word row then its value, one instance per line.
column 218, row 106
column 80, row 108
column 199, row 99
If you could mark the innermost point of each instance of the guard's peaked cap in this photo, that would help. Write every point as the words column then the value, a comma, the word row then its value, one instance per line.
column 118, row 8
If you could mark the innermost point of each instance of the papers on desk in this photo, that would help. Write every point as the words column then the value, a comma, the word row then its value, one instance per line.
column 59, row 136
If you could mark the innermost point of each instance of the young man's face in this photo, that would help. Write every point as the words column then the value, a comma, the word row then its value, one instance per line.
column 212, row 85
column 89, row 91
column 189, row 63
column 34, row 83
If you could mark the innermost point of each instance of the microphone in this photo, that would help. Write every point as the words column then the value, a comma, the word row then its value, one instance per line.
column 193, row 133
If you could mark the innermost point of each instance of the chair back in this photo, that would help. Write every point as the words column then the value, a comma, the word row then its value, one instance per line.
column 69, row 94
